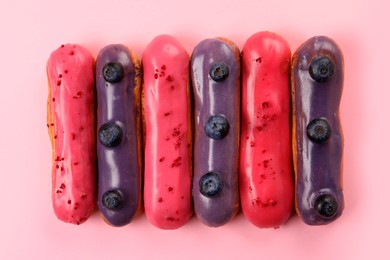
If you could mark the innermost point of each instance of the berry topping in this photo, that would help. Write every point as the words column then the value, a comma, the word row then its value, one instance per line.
column 210, row 184
column 219, row 71
column 113, row 72
column 112, row 200
column 216, row 127
column 110, row 134
column 321, row 69
column 326, row 206
column 318, row 130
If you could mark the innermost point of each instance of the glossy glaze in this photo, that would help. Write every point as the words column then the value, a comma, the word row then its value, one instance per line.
column 318, row 166
column 71, row 125
column 221, row 97
column 266, row 182
column 120, row 166
column 167, row 197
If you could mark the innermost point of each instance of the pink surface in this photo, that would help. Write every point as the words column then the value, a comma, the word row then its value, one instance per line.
column 31, row 31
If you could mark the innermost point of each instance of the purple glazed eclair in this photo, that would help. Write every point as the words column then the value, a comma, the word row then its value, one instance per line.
column 118, row 79
column 317, row 83
column 215, row 74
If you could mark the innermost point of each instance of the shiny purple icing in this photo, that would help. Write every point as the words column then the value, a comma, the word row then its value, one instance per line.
column 119, row 167
column 318, row 166
column 221, row 156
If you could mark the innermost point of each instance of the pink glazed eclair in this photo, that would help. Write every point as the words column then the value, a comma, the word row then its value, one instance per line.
column 266, row 183
column 167, row 122
column 71, row 125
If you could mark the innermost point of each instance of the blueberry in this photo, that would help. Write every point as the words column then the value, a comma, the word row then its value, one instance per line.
column 210, row 184
column 319, row 130
column 217, row 127
column 110, row 134
column 326, row 206
column 321, row 69
column 113, row 72
column 112, row 200
column 219, row 71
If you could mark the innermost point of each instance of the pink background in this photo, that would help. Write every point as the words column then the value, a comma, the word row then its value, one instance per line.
column 30, row 30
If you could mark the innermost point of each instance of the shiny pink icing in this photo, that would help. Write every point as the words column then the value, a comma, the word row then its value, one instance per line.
column 265, row 178
column 70, row 71
column 167, row 194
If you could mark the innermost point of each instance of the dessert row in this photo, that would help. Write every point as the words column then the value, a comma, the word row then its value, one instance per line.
column 175, row 134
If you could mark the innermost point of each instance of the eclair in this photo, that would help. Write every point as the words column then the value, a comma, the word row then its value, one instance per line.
column 118, row 89
column 215, row 74
column 71, row 125
column 317, row 84
column 167, row 120
column 266, row 180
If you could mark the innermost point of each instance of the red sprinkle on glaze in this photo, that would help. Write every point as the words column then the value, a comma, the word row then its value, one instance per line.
column 55, row 136
column 155, row 75
column 60, row 75
column 71, row 53
column 162, row 159
column 59, row 82
column 76, row 163
column 252, row 144
column 69, row 201
column 176, row 162
column 269, row 117
column 177, row 143
column 53, row 99
column 57, row 167
column 176, row 131
column 167, row 114
column 62, row 45
column 265, row 105
column 78, row 94
column 58, row 191
column 76, row 205
column 65, row 71
column 258, row 60
column 160, row 199
column 172, row 219
column 265, row 163
column 170, row 189
column 62, row 186
column 163, row 67
column 73, row 136
column 272, row 202
column 83, row 196
column 172, row 87
column 62, row 168
column 169, row 78
column 258, row 202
